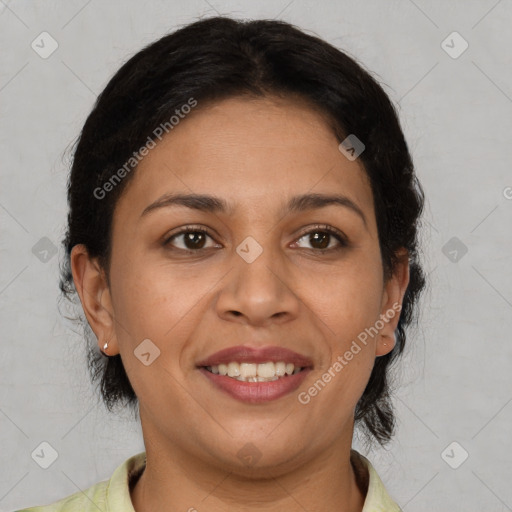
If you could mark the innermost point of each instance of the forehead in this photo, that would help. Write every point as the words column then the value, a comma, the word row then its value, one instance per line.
column 260, row 151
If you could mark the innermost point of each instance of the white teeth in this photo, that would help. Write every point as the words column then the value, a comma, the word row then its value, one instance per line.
column 233, row 370
column 280, row 369
column 266, row 370
column 257, row 379
column 248, row 369
column 252, row 372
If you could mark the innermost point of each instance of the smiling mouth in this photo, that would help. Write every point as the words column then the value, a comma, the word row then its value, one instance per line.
column 255, row 372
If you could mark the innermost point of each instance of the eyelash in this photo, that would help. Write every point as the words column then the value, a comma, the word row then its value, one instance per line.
column 319, row 228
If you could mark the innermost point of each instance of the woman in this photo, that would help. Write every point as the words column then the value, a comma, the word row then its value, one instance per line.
column 243, row 240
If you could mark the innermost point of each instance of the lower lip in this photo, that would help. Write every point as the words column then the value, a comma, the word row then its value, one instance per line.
column 256, row 392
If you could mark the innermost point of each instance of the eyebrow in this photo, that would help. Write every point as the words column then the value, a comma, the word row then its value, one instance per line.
column 212, row 204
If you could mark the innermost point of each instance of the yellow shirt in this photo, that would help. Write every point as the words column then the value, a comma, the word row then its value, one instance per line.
column 114, row 495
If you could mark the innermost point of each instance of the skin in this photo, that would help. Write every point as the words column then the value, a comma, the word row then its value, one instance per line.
column 255, row 154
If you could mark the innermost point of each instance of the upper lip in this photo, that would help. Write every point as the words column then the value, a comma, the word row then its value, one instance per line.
column 246, row 354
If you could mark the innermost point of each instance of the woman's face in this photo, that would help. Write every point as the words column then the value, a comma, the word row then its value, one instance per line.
column 255, row 279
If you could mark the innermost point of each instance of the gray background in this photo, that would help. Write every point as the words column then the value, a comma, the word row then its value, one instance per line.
column 456, row 112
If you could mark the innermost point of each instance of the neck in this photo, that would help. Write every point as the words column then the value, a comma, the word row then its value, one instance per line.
column 177, row 482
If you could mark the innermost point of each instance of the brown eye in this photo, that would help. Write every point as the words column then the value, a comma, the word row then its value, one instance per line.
column 194, row 239
column 189, row 239
column 322, row 238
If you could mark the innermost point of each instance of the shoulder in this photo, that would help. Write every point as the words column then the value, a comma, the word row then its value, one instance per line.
column 377, row 498
column 93, row 498
column 109, row 495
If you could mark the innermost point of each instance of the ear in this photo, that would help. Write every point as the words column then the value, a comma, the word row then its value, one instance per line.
column 92, row 287
column 392, row 298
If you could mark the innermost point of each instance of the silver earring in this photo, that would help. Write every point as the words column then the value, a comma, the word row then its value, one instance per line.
column 105, row 347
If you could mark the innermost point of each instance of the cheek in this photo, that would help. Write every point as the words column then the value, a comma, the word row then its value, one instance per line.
column 354, row 308
column 140, row 296
column 349, row 300
column 159, row 302
column 154, row 304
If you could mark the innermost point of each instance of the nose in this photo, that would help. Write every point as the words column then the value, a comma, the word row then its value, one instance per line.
column 259, row 293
